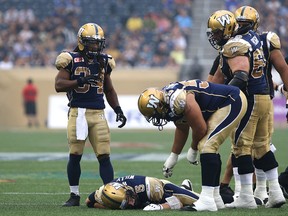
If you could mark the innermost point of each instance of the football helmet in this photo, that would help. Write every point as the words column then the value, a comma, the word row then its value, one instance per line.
column 118, row 196
column 247, row 18
column 220, row 28
column 91, row 40
column 152, row 106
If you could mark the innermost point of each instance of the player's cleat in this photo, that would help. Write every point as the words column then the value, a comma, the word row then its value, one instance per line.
column 261, row 193
column 276, row 199
column 219, row 202
column 203, row 204
column 260, row 202
column 243, row 201
column 74, row 200
column 187, row 184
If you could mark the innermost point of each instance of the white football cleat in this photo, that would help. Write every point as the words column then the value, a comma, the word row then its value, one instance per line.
column 261, row 194
column 187, row 184
column 276, row 199
column 203, row 204
column 243, row 202
column 219, row 202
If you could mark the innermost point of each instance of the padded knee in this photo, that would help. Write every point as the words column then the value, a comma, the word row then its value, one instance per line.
column 267, row 162
column 245, row 164
column 210, row 166
column 103, row 157
column 233, row 160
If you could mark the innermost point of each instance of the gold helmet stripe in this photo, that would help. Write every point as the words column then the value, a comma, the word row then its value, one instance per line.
column 97, row 31
column 96, row 28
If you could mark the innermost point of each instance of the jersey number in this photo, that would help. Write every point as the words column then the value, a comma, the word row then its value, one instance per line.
column 86, row 87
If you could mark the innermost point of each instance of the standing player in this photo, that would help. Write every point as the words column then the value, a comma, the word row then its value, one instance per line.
column 85, row 75
column 212, row 111
column 248, row 19
column 243, row 65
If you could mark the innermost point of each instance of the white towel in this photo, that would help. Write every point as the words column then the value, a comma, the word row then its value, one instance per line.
column 81, row 125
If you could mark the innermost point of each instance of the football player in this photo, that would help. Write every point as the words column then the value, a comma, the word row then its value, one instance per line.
column 84, row 75
column 248, row 19
column 212, row 111
column 243, row 63
column 142, row 192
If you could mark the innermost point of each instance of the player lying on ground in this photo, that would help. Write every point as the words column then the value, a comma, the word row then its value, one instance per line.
column 143, row 192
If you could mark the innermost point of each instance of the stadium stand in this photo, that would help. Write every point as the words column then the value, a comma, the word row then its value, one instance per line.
column 33, row 32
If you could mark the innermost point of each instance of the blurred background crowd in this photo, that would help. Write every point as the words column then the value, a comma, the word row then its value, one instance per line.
column 148, row 33
column 138, row 33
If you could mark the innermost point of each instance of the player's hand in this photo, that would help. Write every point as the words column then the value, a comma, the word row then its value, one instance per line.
column 169, row 165
column 90, row 79
column 192, row 156
column 282, row 89
column 153, row 207
column 120, row 116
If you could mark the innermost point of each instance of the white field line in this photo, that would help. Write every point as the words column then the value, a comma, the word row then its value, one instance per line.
column 54, row 156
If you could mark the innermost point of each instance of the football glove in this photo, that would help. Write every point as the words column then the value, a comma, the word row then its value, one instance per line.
column 169, row 165
column 120, row 116
column 153, row 207
column 192, row 156
column 90, row 79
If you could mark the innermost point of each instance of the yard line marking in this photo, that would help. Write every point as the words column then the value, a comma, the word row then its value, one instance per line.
column 53, row 156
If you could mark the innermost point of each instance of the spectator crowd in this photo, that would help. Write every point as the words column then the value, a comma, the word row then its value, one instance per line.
column 150, row 33
column 138, row 33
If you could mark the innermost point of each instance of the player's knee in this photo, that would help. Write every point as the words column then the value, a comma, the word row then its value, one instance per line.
column 267, row 162
column 103, row 158
column 245, row 164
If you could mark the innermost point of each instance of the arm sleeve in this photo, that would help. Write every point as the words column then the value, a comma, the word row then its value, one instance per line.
column 214, row 66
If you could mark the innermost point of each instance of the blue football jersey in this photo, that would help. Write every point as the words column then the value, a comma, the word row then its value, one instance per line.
column 248, row 45
column 86, row 96
column 209, row 96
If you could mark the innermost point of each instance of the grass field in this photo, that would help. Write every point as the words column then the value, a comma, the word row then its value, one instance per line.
column 33, row 182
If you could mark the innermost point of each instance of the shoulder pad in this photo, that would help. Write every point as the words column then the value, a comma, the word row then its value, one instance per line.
column 62, row 60
column 179, row 102
column 274, row 40
column 111, row 62
column 236, row 47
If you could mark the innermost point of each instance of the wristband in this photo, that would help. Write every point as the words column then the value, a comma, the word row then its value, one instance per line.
column 118, row 109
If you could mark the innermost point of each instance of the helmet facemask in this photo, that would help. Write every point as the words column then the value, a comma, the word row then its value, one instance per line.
column 216, row 38
column 152, row 106
column 220, row 28
column 248, row 19
column 91, row 40
column 131, row 197
column 92, row 47
column 158, row 118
